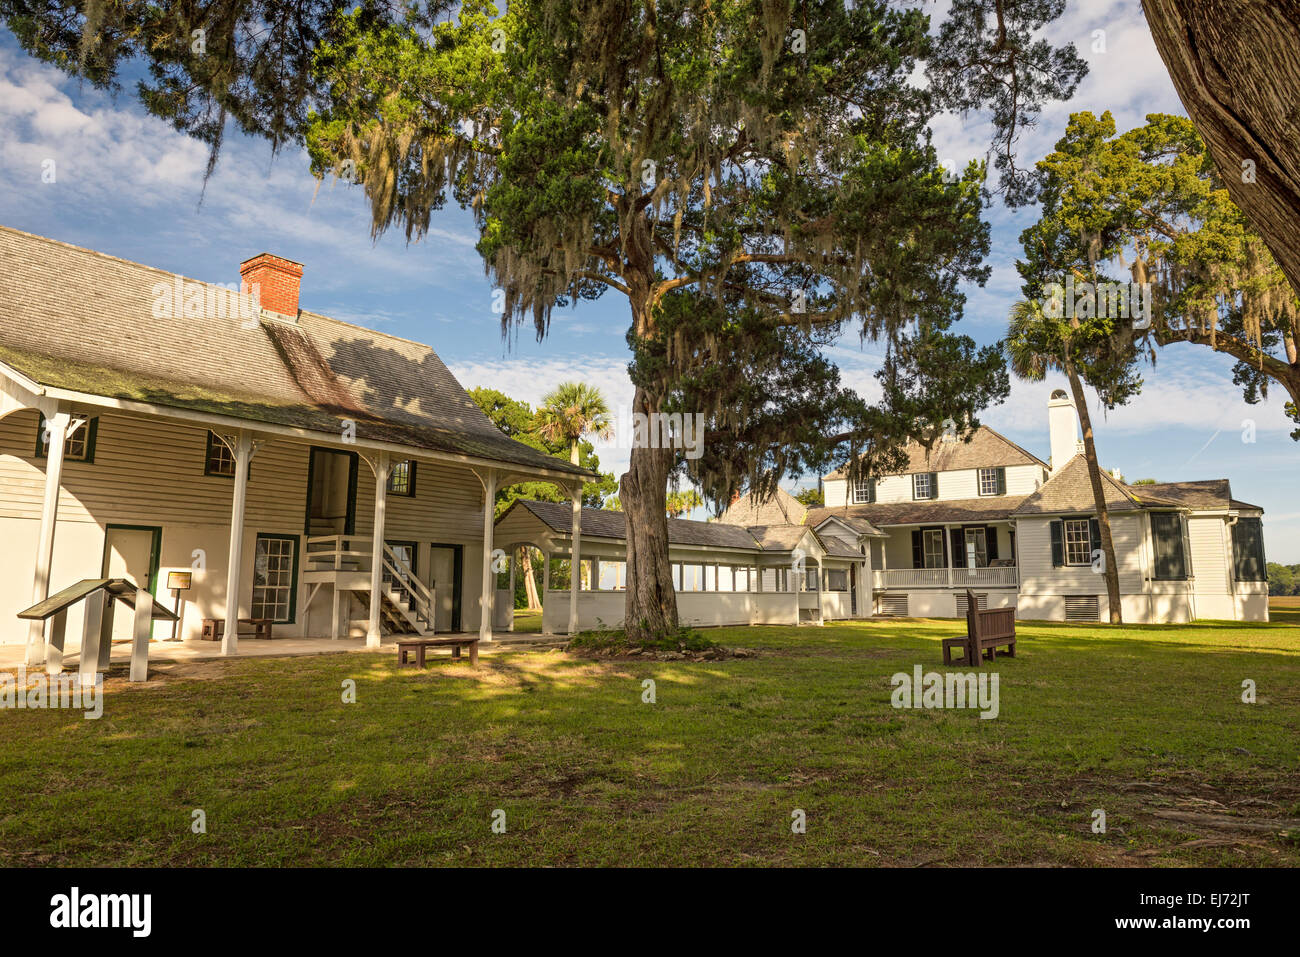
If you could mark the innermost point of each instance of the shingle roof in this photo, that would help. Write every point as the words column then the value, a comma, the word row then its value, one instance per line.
column 957, row 511
column 1070, row 491
column 986, row 448
column 781, row 508
column 79, row 320
column 603, row 523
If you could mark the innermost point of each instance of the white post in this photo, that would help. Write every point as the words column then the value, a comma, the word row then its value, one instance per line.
column 56, row 438
column 99, row 609
column 514, row 560
column 487, row 604
column 575, row 559
column 140, row 635
column 374, row 632
column 54, row 643
column 243, row 453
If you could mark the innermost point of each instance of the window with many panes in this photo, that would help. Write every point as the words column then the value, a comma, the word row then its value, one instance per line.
column 923, row 485
column 220, row 460
column 402, row 479
column 79, row 446
column 1078, row 542
column 932, row 548
column 978, row 538
column 992, row 482
column 274, row 570
column 864, row 490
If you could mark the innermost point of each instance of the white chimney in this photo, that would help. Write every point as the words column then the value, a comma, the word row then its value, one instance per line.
column 1063, row 427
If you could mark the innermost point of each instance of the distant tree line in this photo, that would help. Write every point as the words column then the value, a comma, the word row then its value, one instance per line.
column 1283, row 579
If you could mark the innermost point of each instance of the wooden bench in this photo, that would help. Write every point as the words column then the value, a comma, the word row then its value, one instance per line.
column 987, row 630
column 214, row 628
column 405, row 646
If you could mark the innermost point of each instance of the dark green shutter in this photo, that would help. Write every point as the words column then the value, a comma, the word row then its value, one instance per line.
column 991, row 542
column 1002, row 481
column 1058, row 543
column 957, row 557
column 918, row 559
column 1094, row 536
column 1188, row 572
column 934, row 485
column 92, row 430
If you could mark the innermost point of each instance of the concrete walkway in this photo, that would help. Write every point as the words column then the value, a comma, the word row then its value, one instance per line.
column 12, row 656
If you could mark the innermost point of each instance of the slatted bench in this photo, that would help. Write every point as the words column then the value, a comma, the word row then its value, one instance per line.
column 987, row 629
column 419, row 646
column 214, row 628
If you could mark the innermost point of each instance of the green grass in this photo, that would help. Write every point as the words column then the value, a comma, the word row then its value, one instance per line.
column 528, row 621
column 1146, row 723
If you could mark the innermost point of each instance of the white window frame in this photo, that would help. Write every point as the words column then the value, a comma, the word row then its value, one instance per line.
column 980, row 536
column 862, row 490
column 1072, row 542
column 916, row 487
column 988, row 481
column 927, row 536
column 284, row 584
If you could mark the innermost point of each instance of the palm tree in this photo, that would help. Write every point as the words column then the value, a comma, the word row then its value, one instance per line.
column 1032, row 351
column 680, row 503
column 572, row 410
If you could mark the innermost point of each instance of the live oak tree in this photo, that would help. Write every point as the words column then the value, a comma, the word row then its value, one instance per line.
column 754, row 176
column 1236, row 67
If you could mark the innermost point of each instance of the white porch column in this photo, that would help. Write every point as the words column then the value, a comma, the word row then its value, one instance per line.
column 487, row 604
column 241, row 447
column 56, row 441
column 374, row 632
column 575, row 559
column 514, row 560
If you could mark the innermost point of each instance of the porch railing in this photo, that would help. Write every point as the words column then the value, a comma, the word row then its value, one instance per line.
column 352, row 553
column 943, row 577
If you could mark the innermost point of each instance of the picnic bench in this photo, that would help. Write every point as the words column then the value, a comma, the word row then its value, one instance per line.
column 987, row 629
column 214, row 628
column 419, row 646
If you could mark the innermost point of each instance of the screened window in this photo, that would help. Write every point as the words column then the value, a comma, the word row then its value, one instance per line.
column 1248, row 550
column 993, row 481
column 740, row 575
column 1167, row 544
column 692, row 578
column 613, row 576
column 864, row 490
column 80, row 445
column 837, row 579
column 402, row 479
column 274, row 571
column 811, row 578
column 1078, row 542
column 978, row 538
column 924, row 485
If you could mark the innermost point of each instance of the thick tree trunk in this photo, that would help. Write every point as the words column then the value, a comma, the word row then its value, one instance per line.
column 1236, row 67
column 1098, row 496
column 530, row 583
column 651, row 603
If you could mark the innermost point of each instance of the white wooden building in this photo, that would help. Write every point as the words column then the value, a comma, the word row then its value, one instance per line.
column 153, row 424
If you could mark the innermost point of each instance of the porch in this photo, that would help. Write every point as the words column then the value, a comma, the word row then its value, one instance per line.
column 1006, row 576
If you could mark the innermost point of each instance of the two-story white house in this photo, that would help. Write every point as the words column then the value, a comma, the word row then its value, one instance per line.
column 979, row 512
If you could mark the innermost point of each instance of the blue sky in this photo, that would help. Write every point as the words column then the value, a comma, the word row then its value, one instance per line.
column 130, row 186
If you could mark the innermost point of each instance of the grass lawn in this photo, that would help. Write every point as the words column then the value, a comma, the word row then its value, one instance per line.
column 528, row 621
column 1146, row 723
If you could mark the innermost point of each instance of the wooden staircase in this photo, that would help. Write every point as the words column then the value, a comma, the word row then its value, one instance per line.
column 407, row 605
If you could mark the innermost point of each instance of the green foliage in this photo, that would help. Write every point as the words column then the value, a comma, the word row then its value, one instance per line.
column 615, row 641
column 810, row 497
column 1283, row 579
column 517, row 420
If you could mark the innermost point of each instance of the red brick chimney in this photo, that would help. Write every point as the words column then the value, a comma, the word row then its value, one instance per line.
column 276, row 281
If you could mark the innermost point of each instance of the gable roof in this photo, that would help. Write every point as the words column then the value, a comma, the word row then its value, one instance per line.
column 85, row 322
column 1069, row 491
column 981, row 447
column 781, row 508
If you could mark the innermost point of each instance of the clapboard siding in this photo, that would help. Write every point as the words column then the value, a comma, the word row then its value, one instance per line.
column 149, row 471
column 954, row 484
column 1038, row 575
